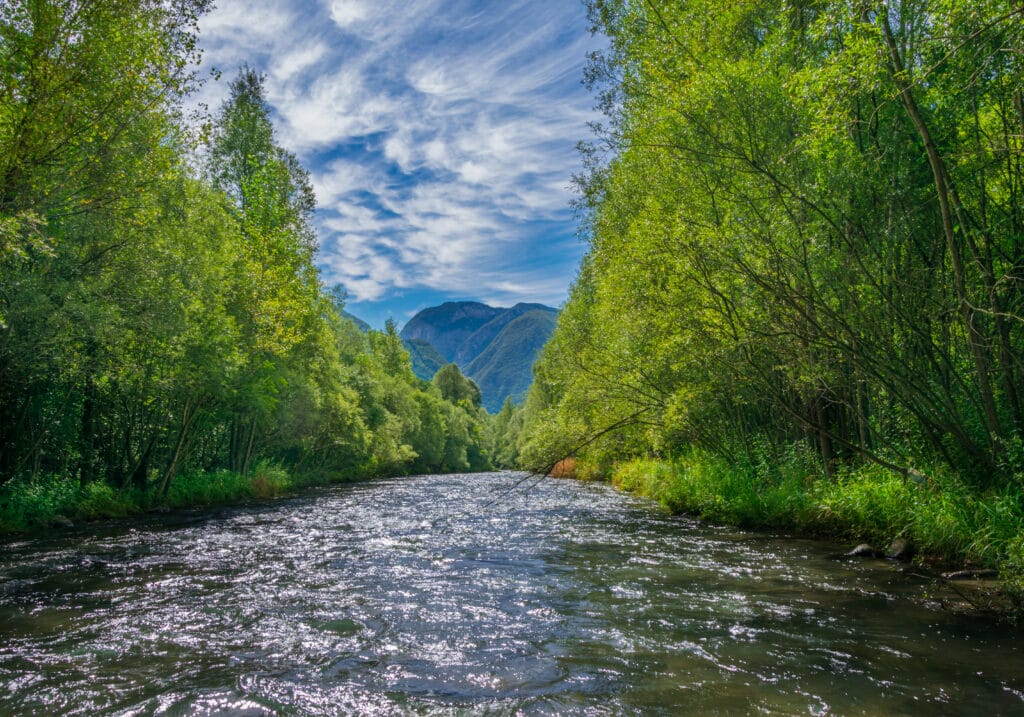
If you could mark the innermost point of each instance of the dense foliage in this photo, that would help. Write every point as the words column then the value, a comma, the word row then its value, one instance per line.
column 425, row 358
column 160, row 311
column 806, row 228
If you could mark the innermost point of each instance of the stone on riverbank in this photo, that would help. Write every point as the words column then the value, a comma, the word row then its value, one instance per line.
column 900, row 549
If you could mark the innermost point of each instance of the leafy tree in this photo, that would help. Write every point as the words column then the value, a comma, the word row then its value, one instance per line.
column 275, row 285
column 455, row 387
column 772, row 262
column 153, row 321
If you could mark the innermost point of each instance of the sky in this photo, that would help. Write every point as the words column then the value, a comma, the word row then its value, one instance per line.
column 440, row 136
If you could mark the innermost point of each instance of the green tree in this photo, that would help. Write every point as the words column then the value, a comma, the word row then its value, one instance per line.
column 276, row 292
column 455, row 387
column 771, row 261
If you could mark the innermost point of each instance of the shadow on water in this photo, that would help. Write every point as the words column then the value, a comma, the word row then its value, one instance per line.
column 424, row 596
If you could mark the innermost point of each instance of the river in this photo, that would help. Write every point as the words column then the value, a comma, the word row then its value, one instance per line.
column 476, row 594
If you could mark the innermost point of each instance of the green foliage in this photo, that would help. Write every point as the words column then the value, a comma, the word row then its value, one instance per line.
column 164, row 334
column 455, row 387
column 868, row 504
column 504, row 428
column 708, row 486
column 502, row 369
column 802, row 274
column 34, row 503
column 37, row 503
column 201, row 488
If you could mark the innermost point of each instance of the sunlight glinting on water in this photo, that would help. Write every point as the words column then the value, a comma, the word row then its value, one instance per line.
column 425, row 596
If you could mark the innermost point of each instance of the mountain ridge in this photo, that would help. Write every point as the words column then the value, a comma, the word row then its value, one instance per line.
column 504, row 369
column 494, row 346
column 445, row 327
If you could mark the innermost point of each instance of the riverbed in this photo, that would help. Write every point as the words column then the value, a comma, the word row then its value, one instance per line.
column 477, row 594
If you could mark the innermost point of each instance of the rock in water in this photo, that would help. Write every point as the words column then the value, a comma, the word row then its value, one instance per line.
column 900, row 549
column 975, row 574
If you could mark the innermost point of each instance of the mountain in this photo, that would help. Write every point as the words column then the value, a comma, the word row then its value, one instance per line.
column 504, row 367
column 363, row 326
column 425, row 358
column 476, row 342
column 496, row 347
column 445, row 327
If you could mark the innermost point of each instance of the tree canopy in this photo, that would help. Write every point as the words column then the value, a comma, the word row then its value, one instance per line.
column 160, row 308
column 805, row 224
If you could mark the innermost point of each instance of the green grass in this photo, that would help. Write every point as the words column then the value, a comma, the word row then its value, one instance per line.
column 200, row 488
column 944, row 518
column 709, row 487
column 28, row 505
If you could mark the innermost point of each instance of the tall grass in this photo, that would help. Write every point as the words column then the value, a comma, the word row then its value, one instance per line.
column 32, row 504
column 200, row 488
column 944, row 518
column 27, row 505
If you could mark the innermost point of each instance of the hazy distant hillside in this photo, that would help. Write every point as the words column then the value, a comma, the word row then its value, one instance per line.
column 447, row 326
column 495, row 347
column 425, row 358
column 363, row 326
column 503, row 368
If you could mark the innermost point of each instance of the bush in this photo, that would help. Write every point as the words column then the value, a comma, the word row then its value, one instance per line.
column 33, row 503
column 203, row 488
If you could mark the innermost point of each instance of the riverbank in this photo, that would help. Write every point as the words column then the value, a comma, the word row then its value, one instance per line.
column 28, row 506
column 945, row 522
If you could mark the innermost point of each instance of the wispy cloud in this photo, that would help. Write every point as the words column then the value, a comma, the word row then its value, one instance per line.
column 439, row 136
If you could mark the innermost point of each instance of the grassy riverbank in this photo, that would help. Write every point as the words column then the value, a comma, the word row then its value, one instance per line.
column 31, row 505
column 943, row 518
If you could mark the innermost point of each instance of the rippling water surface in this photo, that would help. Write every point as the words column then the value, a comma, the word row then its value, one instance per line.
column 441, row 595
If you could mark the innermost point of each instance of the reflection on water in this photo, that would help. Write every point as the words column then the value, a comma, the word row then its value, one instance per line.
column 425, row 596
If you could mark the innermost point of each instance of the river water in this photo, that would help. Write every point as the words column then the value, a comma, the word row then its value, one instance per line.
column 476, row 594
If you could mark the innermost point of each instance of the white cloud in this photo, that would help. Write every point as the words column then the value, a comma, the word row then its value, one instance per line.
column 298, row 60
column 439, row 135
column 349, row 12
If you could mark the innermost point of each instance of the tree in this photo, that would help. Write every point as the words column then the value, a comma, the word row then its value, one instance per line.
column 276, row 293
column 770, row 260
column 456, row 388
column 90, row 147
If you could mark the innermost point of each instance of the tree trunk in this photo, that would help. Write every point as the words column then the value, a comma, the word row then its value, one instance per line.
column 188, row 416
column 943, row 187
column 247, row 461
column 87, row 438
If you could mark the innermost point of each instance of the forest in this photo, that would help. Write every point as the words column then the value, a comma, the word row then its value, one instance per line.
column 798, row 326
column 801, row 308
column 802, row 304
column 165, row 336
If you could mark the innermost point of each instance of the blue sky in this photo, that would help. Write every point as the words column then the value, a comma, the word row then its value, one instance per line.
column 440, row 135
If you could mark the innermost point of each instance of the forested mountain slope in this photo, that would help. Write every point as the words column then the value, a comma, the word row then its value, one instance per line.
column 446, row 327
column 503, row 369
column 496, row 347
column 425, row 358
